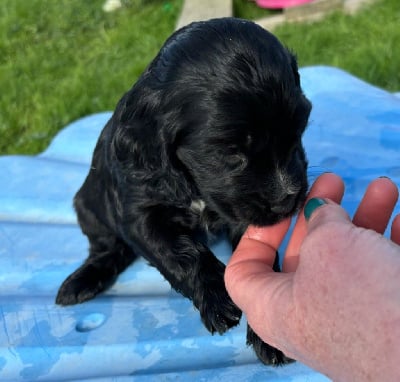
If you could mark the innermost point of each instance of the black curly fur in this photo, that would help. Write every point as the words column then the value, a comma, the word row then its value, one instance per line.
column 208, row 139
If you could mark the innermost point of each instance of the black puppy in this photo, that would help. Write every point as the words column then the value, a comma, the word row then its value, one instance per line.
column 207, row 140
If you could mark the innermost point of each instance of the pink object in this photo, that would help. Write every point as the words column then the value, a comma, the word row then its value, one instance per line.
column 280, row 3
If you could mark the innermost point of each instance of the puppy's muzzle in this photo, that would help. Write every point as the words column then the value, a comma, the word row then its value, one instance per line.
column 285, row 203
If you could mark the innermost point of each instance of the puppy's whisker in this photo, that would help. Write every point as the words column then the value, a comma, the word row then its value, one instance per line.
column 315, row 171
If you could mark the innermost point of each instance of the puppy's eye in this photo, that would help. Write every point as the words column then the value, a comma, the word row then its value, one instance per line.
column 296, row 149
column 248, row 141
column 254, row 144
column 296, row 153
column 236, row 162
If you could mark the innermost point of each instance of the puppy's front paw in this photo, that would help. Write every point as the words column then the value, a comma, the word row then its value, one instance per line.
column 267, row 354
column 82, row 285
column 217, row 310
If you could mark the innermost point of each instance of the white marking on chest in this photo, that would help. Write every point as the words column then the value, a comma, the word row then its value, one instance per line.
column 197, row 206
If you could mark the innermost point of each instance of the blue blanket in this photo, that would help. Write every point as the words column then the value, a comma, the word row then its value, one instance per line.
column 140, row 329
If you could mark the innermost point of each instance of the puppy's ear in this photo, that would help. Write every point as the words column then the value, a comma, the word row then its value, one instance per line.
column 123, row 126
column 295, row 69
column 126, row 144
column 135, row 131
column 172, row 134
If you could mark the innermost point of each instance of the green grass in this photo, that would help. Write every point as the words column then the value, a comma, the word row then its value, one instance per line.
column 367, row 44
column 63, row 59
column 247, row 9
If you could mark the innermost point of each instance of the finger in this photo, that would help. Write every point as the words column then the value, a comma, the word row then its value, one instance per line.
column 260, row 244
column 395, row 230
column 327, row 213
column 252, row 261
column 327, row 185
column 377, row 205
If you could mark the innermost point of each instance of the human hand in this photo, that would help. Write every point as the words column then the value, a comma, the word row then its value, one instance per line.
column 336, row 305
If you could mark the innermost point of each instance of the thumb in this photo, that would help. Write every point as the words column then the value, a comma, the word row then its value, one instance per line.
column 252, row 262
column 319, row 211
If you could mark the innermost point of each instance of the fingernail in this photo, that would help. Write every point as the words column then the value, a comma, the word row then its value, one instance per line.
column 312, row 205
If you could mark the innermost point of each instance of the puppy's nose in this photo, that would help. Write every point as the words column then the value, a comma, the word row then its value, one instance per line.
column 285, row 204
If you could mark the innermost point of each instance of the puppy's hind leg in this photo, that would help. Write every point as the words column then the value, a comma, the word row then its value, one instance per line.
column 108, row 257
column 267, row 354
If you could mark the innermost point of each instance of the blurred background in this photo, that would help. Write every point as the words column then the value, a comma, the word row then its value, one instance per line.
column 62, row 60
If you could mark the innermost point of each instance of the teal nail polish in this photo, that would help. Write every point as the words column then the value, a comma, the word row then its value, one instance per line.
column 312, row 205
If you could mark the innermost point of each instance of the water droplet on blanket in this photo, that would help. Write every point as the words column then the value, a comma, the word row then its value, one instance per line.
column 90, row 322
